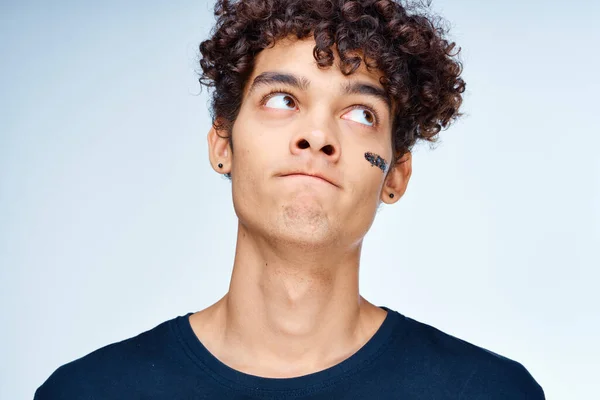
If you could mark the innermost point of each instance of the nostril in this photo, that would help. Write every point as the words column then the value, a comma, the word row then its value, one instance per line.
column 328, row 149
column 303, row 144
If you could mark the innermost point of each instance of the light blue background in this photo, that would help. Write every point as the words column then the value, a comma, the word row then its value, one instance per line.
column 112, row 221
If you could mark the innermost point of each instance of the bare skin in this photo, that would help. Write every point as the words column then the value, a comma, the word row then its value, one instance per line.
column 293, row 305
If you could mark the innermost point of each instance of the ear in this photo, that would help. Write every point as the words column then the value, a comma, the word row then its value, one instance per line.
column 219, row 150
column 397, row 179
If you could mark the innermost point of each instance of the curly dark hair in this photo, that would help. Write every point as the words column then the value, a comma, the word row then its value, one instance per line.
column 407, row 44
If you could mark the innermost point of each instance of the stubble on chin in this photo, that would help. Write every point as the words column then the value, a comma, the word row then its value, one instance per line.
column 304, row 223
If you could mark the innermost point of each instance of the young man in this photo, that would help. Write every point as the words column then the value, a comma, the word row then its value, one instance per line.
column 316, row 106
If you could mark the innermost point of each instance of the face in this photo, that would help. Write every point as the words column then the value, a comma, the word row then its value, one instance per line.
column 309, row 148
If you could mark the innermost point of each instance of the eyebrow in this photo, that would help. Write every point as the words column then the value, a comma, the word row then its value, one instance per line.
column 271, row 78
column 369, row 90
column 302, row 83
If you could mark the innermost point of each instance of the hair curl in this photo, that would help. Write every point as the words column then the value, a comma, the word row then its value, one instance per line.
column 421, row 73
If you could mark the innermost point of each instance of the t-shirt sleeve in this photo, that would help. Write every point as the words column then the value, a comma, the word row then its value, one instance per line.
column 73, row 381
column 59, row 386
column 509, row 381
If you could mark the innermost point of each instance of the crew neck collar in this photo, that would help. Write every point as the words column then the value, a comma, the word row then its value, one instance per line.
column 236, row 379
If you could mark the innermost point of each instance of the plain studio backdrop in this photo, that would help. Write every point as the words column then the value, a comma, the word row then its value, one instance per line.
column 112, row 220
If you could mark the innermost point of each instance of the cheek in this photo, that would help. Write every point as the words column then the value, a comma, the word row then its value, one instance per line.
column 247, row 138
column 370, row 150
column 357, row 211
column 365, row 183
column 377, row 161
column 365, row 168
column 254, row 161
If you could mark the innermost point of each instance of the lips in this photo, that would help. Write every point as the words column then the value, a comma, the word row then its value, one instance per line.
column 311, row 175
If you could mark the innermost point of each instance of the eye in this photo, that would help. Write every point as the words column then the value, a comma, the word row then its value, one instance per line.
column 361, row 115
column 281, row 101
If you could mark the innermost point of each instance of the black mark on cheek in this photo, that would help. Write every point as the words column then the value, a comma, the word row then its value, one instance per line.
column 376, row 161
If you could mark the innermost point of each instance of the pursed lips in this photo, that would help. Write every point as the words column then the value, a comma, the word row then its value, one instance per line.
column 320, row 178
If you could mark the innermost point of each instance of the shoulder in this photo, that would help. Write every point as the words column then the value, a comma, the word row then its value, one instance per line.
column 100, row 373
column 483, row 374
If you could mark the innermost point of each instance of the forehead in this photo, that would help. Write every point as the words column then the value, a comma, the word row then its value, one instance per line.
column 296, row 56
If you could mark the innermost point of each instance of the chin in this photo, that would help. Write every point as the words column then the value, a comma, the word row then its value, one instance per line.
column 305, row 226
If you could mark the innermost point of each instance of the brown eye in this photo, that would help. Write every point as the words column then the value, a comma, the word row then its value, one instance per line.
column 361, row 115
column 289, row 101
column 281, row 101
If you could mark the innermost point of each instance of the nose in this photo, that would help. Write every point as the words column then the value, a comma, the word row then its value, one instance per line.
column 317, row 142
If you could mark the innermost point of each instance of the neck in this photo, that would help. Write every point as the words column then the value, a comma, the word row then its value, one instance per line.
column 294, row 310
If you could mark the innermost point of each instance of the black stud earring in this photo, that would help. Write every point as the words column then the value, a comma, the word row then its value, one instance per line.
column 220, row 165
column 391, row 195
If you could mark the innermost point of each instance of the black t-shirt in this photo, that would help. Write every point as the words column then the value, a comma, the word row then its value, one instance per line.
column 405, row 359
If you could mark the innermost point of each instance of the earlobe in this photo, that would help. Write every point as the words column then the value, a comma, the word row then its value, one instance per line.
column 397, row 179
column 219, row 150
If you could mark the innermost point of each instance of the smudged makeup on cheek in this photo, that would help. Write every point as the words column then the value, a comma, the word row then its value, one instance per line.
column 376, row 161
